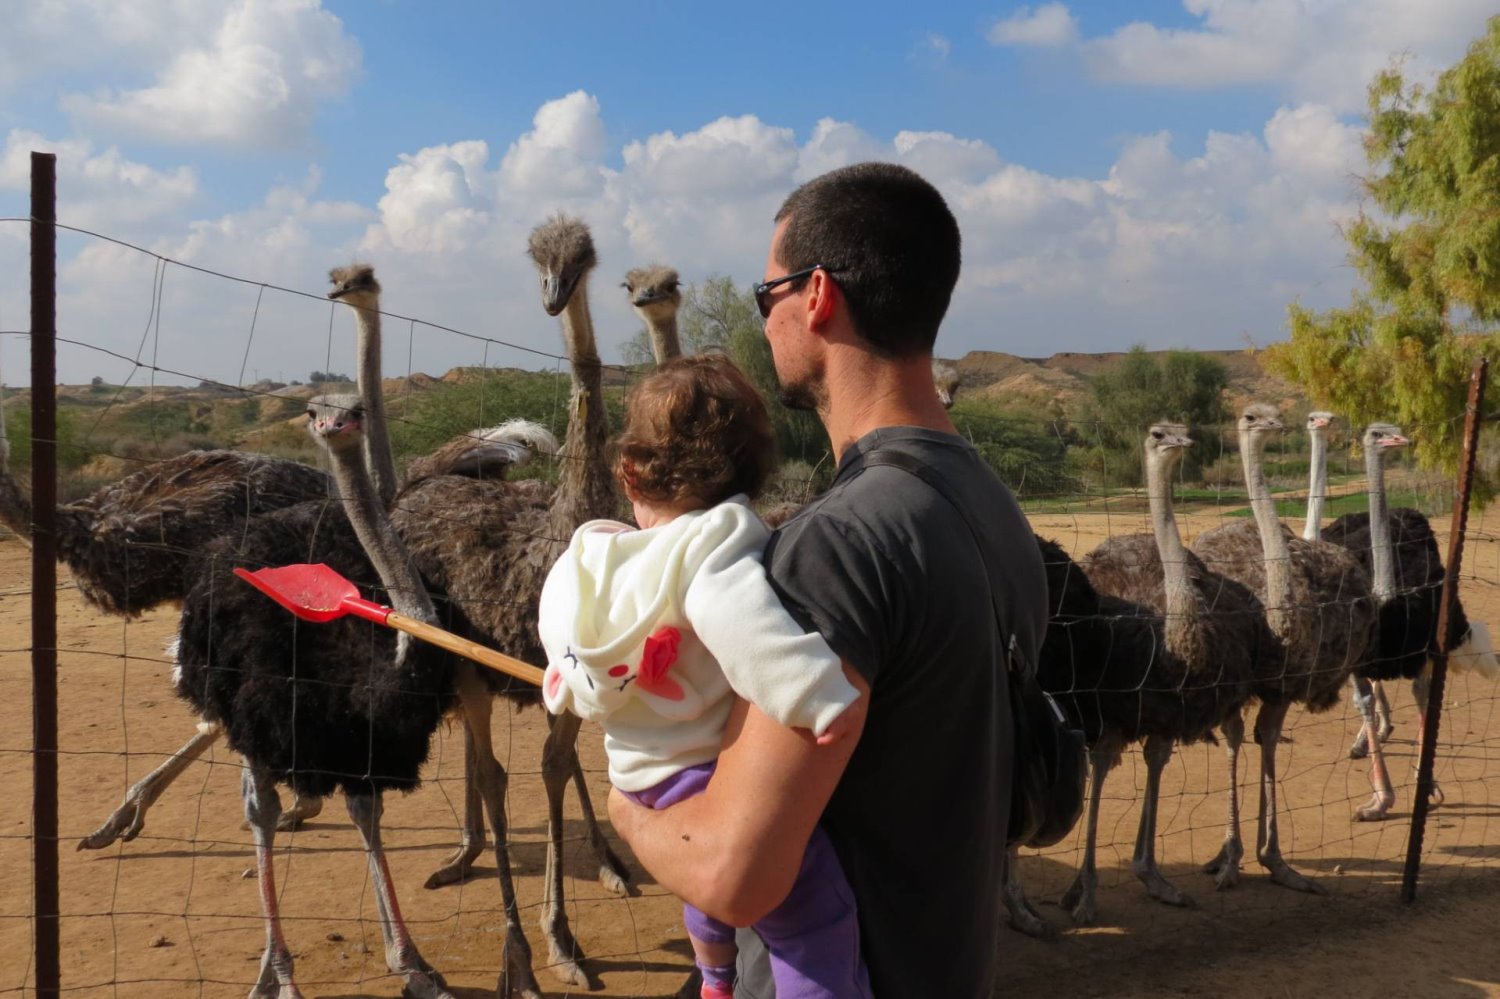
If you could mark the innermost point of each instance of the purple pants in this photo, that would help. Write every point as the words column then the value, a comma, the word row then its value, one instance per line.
column 813, row 935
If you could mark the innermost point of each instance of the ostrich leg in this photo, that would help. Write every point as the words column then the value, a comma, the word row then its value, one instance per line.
column 516, row 978
column 1080, row 898
column 1383, row 724
column 1023, row 916
column 471, row 842
column 1157, row 751
column 1268, row 843
column 401, row 954
column 125, row 822
column 1382, row 797
column 614, row 876
column 1226, row 866
column 262, row 806
column 559, row 761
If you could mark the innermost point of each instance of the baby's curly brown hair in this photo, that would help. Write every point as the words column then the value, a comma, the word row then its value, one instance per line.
column 695, row 430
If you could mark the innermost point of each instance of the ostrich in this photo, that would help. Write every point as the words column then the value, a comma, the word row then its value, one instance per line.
column 1398, row 549
column 487, row 452
column 130, row 547
column 1144, row 643
column 298, row 704
column 1317, row 488
column 490, row 545
column 655, row 296
column 1317, row 601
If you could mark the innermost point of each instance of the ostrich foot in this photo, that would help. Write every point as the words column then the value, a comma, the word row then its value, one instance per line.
column 614, row 876
column 274, row 991
column 1159, row 887
column 1282, row 874
column 563, row 955
column 124, row 824
column 1225, row 867
column 1377, row 808
column 1081, row 898
column 516, row 978
column 302, row 809
column 1022, row 916
column 425, row 985
column 1360, row 748
column 1384, row 730
column 1437, row 797
column 270, row 985
column 458, row 866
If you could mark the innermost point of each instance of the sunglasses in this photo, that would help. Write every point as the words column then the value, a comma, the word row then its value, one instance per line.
column 762, row 291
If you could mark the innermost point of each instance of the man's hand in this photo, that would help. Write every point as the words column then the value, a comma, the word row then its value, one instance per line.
column 734, row 850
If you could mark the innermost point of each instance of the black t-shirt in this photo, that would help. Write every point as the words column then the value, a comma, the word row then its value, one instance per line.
column 888, row 572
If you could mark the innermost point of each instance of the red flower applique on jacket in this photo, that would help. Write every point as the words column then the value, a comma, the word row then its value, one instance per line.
column 660, row 654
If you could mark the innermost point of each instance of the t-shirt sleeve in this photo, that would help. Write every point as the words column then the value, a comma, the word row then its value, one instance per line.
column 768, row 658
column 836, row 581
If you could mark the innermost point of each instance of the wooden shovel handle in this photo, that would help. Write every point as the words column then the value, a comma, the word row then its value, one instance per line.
column 498, row 661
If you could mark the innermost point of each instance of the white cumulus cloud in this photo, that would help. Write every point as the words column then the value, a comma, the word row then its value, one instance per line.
column 258, row 80
column 1047, row 26
column 1322, row 52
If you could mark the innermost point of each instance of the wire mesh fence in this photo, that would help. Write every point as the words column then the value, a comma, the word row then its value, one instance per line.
column 163, row 899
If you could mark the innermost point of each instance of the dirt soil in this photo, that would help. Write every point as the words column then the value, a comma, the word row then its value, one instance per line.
column 171, row 914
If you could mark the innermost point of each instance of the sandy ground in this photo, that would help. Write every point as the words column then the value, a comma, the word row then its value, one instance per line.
column 171, row 913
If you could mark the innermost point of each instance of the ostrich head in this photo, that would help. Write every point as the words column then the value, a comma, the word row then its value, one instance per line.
column 1318, row 421
column 355, row 285
column 1382, row 437
column 336, row 422
column 563, row 252
column 653, row 290
column 945, row 380
column 1259, row 422
column 1166, row 443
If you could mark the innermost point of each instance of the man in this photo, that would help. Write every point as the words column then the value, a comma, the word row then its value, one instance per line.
column 862, row 266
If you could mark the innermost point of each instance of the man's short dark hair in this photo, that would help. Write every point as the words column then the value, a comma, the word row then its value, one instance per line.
column 890, row 243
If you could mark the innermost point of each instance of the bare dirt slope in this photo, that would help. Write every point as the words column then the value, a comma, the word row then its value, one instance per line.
column 171, row 913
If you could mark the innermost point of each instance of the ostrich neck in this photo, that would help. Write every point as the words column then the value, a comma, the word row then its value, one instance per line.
column 585, row 487
column 664, row 341
column 378, row 537
column 1382, row 548
column 1317, row 488
column 1181, row 622
column 377, row 441
column 1274, row 549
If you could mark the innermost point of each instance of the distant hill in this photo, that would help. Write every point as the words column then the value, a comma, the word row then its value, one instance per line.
column 1058, row 381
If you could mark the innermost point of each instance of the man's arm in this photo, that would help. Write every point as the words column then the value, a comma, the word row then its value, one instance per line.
column 734, row 850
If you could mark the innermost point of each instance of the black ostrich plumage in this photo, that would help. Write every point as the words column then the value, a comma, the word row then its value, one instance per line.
column 1104, row 659
column 322, row 706
column 1409, row 620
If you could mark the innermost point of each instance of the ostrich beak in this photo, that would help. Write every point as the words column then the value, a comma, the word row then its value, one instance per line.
column 1318, row 423
column 1394, row 440
column 557, row 289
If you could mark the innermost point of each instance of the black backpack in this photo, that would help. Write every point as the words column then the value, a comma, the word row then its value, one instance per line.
column 1051, row 761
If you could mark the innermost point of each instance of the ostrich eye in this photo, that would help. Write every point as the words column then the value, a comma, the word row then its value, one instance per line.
column 312, row 414
column 1157, row 435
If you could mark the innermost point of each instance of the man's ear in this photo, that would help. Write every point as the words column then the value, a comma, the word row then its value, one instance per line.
column 823, row 298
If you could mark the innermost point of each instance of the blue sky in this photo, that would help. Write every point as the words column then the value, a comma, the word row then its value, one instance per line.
column 1169, row 173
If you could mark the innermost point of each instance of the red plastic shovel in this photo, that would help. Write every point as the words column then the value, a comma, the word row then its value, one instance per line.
column 314, row 592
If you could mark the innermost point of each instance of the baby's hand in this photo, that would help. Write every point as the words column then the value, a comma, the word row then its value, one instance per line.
column 837, row 729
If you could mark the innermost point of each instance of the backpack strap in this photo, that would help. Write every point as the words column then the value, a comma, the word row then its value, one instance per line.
column 1014, row 659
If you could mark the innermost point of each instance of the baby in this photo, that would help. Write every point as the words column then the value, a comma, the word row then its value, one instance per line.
column 653, row 632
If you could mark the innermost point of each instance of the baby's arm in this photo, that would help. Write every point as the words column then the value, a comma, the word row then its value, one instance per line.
column 766, row 655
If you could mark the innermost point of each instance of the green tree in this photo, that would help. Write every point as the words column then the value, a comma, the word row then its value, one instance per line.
column 1181, row 385
column 1428, row 253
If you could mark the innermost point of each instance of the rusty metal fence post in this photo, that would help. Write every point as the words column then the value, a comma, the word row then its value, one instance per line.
column 1456, row 528
column 45, row 910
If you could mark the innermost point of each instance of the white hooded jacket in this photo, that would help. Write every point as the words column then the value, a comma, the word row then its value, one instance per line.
column 653, row 632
